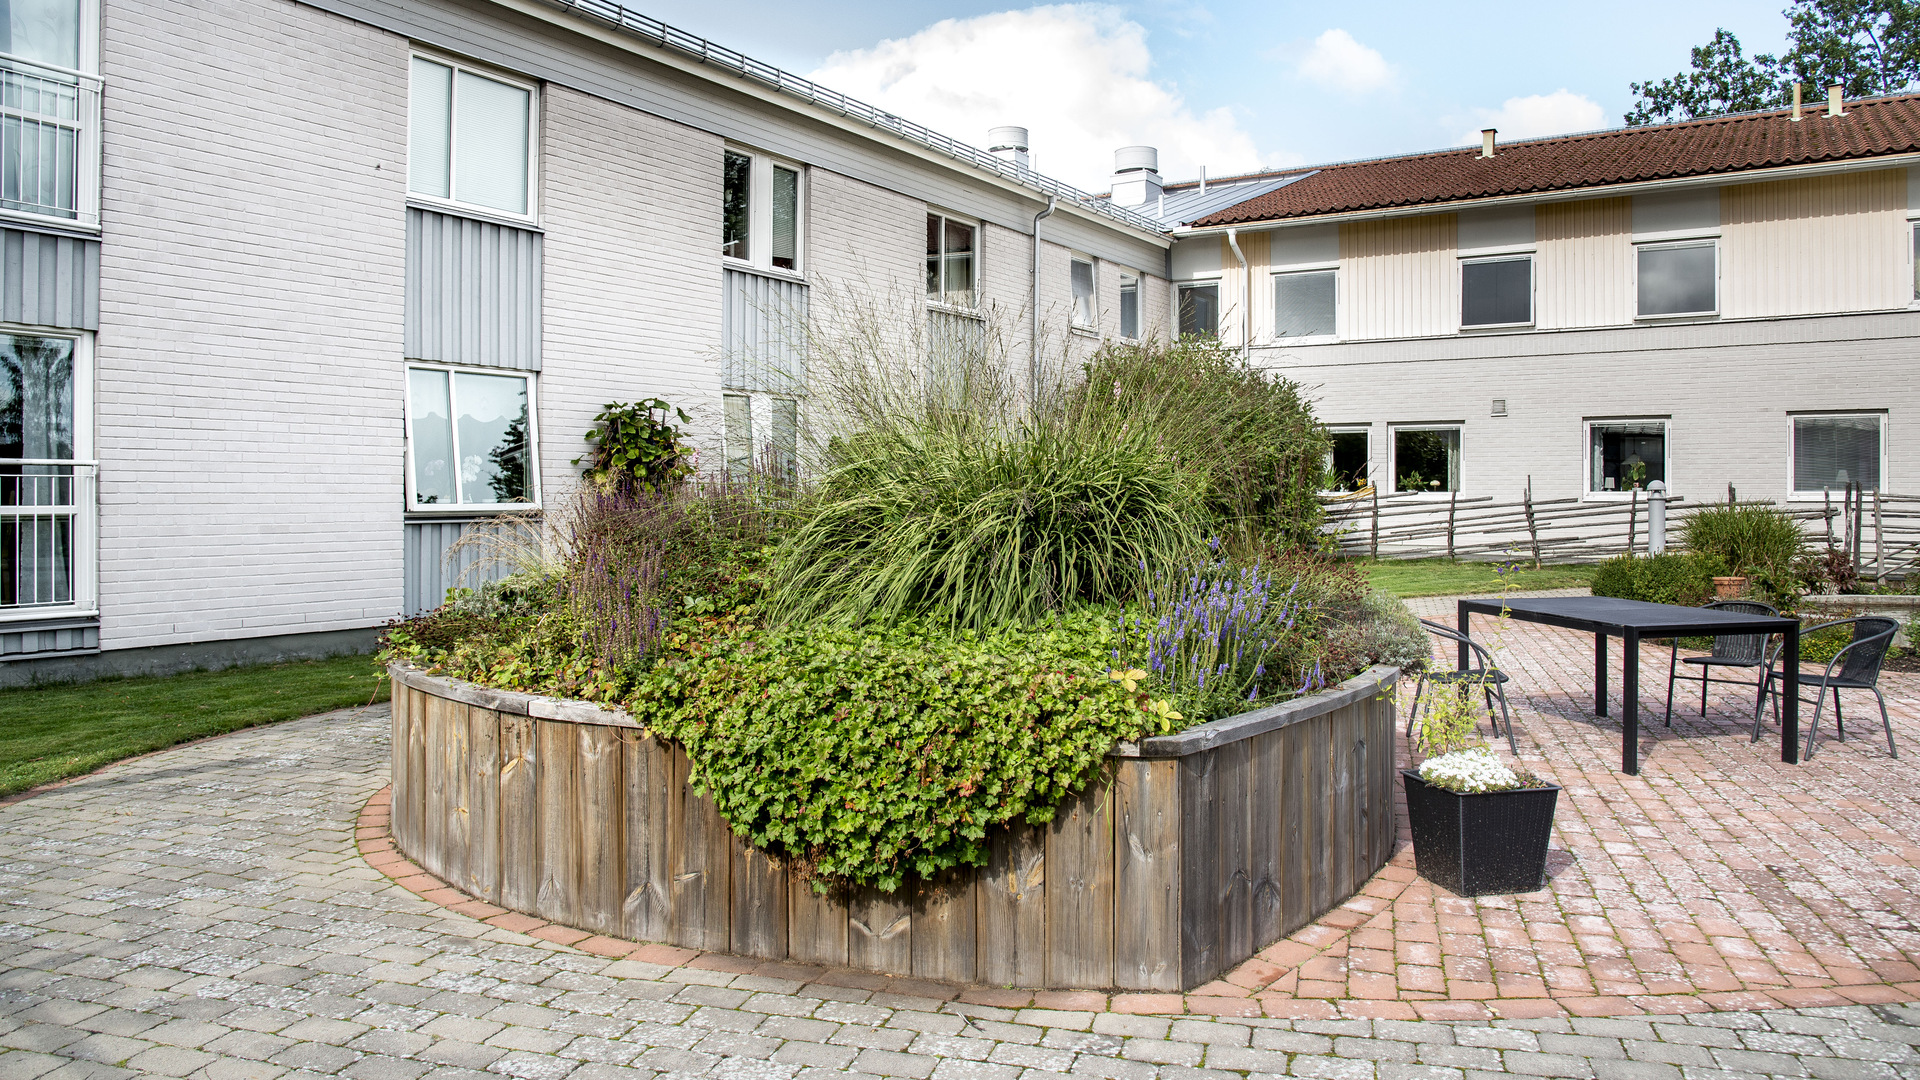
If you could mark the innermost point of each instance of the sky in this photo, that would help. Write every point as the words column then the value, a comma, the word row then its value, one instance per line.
column 1232, row 85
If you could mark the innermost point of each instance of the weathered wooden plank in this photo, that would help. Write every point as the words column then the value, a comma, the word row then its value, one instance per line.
column 417, row 766
column 456, row 837
column 597, row 827
column 816, row 924
column 1358, row 721
column 1146, row 875
column 559, row 845
column 519, row 811
column 1266, row 765
column 1233, row 803
column 400, row 811
column 1342, row 807
column 702, row 865
column 1200, row 914
column 1296, row 818
column 1080, row 890
column 483, row 803
column 1386, row 728
column 647, row 904
column 880, row 930
column 1319, row 776
column 434, row 795
column 1012, row 911
column 759, row 906
column 944, row 937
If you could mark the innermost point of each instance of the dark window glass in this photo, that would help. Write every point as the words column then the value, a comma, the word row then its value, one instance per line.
column 1129, row 307
column 36, row 397
column 1426, row 459
column 1677, row 280
column 736, row 200
column 1347, row 461
column 1627, row 456
column 1303, row 304
column 1829, row 452
column 786, row 218
column 1496, row 292
column 1199, row 310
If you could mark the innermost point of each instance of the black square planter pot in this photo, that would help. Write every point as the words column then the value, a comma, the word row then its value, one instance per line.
column 1480, row 844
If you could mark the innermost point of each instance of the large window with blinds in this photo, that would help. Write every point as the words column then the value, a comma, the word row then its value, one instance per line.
column 1303, row 304
column 1831, row 450
column 470, row 138
column 761, row 211
column 1199, row 313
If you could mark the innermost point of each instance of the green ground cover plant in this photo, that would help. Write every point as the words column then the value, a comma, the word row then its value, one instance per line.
column 56, row 732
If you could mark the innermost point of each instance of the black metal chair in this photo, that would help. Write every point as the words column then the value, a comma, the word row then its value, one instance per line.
column 1729, row 650
column 1491, row 680
column 1855, row 667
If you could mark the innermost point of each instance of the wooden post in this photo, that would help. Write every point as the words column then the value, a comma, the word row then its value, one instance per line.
column 1826, row 512
column 1533, row 533
column 1729, row 494
column 1879, row 553
column 1376, row 522
column 1453, row 503
column 1859, row 525
column 1633, row 518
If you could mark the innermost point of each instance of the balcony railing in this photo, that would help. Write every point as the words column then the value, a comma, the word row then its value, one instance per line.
column 49, row 141
column 48, row 535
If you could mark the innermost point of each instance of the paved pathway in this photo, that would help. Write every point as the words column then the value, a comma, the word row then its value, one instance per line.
column 204, row 912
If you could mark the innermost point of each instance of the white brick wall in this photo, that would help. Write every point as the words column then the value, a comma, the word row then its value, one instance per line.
column 249, row 390
column 631, row 207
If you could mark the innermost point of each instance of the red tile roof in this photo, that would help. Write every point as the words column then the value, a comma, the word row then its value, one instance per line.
column 1723, row 144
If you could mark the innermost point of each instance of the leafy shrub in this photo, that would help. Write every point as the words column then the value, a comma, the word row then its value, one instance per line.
column 1249, row 435
column 976, row 529
column 1744, row 539
column 637, row 448
column 1684, row 578
column 872, row 753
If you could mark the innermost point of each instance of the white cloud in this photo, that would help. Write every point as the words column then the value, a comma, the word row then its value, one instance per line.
column 1527, row 117
column 1337, row 60
column 1075, row 75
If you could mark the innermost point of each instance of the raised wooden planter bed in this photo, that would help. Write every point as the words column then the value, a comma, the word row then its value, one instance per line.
column 1203, row 848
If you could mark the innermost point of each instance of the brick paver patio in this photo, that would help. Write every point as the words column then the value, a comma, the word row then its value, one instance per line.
column 205, row 912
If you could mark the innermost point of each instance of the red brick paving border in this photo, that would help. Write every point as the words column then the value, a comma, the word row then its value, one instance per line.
column 1720, row 878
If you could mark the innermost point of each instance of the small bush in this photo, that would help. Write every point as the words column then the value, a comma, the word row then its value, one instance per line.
column 871, row 754
column 1744, row 539
column 1684, row 578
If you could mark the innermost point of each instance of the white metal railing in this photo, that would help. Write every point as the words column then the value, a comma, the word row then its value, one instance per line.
column 49, row 141
column 49, row 533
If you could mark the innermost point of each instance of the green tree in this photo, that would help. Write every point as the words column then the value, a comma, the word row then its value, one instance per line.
column 1868, row 47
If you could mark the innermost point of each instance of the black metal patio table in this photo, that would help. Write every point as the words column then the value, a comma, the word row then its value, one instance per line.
column 1631, row 620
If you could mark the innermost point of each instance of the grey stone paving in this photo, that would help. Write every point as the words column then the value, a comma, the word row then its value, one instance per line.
column 202, row 912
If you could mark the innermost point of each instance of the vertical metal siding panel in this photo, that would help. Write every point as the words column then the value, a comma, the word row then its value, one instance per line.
column 89, row 317
column 14, row 267
column 33, row 272
column 1403, row 281
column 49, row 280
column 473, row 292
column 534, row 274
column 1584, row 264
column 1815, row 246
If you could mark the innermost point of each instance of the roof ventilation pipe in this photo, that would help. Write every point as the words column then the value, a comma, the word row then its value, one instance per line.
column 1009, row 143
column 1834, row 105
column 1136, row 175
column 1487, row 136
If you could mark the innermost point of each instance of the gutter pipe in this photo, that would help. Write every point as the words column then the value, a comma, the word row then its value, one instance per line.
column 1246, row 308
column 1033, row 354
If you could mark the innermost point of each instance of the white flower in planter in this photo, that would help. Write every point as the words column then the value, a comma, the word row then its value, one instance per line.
column 1470, row 772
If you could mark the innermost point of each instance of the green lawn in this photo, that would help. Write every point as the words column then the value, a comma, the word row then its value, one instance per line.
column 1441, row 577
column 51, row 732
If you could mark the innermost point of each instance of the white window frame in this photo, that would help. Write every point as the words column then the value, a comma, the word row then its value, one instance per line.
column 760, row 215
column 1093, row 296
column 532, row 216
column 1848, row 414
column 1393, row 465
column 1913, row 254
column 1664, row 242
column 533, row 439
column 86, row 124
column 1350, row 429
column 1586, row 456
column 85, row 536
column 1533, row 290
column 979, row 235
column 1214, row 280
column 1126, row 278
column 1273, row 307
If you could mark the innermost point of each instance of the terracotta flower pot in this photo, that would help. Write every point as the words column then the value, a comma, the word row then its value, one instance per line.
column 1730, row 588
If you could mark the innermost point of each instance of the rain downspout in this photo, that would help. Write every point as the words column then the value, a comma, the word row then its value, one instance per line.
column 1246, row 308
column 1033, row 356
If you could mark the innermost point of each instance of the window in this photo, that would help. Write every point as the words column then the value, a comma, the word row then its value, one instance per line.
column 1916, row 261
column 1831, row 451
column 1303, row 304
column 50, row 114
column 1496, row 292
column 1678, row 279
column 950, row 261
column 470, row 438
column 1081, row 273
column 46, row 485
column 470, row 140
column 1200, row 309
column 760, row 210
column 1426, row 459
column 1129, row 307
column 738, row 409
column 1347, row 460
column 1626, row 454
column 779, row 456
